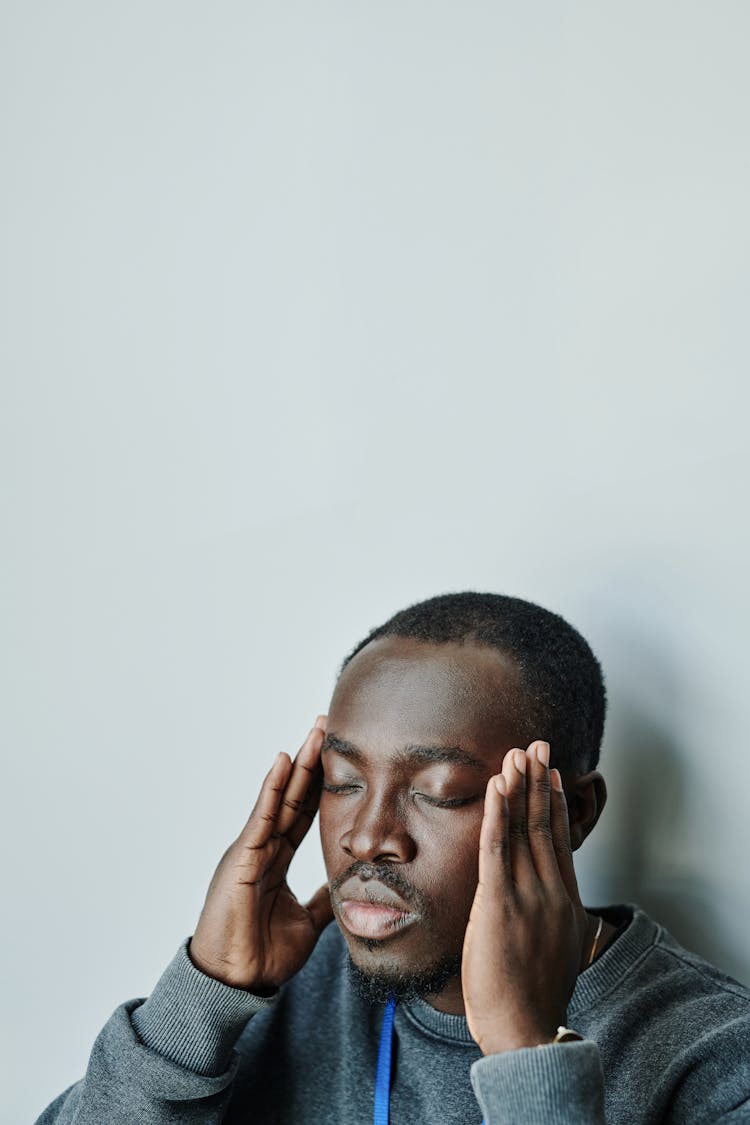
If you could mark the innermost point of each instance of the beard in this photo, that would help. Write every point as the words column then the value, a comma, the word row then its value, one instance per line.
column 376, row 988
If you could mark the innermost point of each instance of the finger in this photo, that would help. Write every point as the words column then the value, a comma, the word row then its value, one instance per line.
column 538, row 813
column 494, row 841
column 303, row 772
column 261, row 824
column 308, row 809
column 320, row 909
column 289, row 843
column 321, row 722
column 514, row 772
column 561, row 835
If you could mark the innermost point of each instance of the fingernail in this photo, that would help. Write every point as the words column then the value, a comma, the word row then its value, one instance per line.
column 519, row 760
column 542, row 753
column 556, row 780
column 500, row 785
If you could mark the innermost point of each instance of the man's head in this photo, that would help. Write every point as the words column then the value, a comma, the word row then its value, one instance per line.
column 422, row 714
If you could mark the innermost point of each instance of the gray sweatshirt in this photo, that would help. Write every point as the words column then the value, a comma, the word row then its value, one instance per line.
column 667, row 1039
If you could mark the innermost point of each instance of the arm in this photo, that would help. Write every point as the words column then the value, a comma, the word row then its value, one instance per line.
column 523, row 949
column 170, row 1058
column 177, row 1047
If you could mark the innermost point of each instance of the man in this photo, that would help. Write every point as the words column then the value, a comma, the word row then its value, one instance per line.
column 448, row 971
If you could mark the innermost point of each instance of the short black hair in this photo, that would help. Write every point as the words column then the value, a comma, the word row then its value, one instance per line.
column 561, row 697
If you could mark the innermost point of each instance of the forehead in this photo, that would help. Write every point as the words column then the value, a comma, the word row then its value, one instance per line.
column 399, row 690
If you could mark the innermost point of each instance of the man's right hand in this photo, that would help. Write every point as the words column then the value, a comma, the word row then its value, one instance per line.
column 252, row 932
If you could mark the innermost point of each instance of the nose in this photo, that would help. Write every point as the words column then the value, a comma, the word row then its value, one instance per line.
column 378, row 833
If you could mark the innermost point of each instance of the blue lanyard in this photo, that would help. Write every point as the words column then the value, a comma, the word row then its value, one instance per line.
column 383, row 1073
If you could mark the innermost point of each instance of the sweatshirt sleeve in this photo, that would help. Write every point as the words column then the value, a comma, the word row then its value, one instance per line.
column 166, row 1059
column 558, row 1084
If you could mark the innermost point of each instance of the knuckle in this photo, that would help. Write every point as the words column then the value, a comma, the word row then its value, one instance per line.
column 499, row 846
column 511, row 906
column 563, row 903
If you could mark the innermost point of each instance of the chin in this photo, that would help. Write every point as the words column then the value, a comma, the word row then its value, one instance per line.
column 377, row 974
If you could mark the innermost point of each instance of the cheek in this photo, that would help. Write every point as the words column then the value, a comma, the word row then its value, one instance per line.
column 455, row 870
column 449, row 859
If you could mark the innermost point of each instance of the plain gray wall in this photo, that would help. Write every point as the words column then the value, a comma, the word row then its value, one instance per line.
column 313, row 310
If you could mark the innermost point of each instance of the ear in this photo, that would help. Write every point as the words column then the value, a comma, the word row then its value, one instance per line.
column 586, row 796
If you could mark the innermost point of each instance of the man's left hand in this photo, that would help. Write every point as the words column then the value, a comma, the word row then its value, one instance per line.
column 527, row 929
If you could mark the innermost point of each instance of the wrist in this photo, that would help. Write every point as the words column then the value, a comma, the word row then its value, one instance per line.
column 531, row 1036
column 192, row 1019
column 224, row 974
column 513, row 1043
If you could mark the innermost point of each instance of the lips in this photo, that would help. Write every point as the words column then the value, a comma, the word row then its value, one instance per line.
column 372, row 910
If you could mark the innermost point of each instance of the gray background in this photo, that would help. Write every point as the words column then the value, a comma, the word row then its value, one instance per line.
column 313, row 310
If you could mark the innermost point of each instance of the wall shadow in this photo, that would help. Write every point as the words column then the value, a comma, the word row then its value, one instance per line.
column 644, row 830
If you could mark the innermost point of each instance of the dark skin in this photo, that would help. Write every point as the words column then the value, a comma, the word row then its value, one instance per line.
column 422, row 779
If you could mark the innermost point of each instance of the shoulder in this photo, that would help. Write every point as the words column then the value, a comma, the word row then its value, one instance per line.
column 646, row 957
column 648, row 986
column 697, row 977
column 666, row 1021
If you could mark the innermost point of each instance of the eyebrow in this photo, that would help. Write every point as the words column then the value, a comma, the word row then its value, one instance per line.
column 413, row 754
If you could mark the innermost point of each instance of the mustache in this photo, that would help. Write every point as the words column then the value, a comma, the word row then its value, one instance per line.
column 381, row 873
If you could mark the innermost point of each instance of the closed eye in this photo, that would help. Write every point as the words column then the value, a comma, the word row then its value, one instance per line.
column 339, row 788
column 436, row 802
column 448, row 802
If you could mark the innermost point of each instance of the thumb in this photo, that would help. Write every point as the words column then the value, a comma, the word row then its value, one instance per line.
column 319, row 908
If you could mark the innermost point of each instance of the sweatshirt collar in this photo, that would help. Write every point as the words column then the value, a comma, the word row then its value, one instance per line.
column 593, row 983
